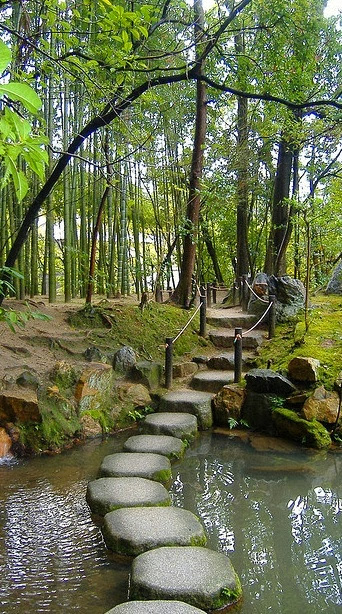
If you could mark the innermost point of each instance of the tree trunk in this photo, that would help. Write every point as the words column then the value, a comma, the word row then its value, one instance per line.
column 182, row 294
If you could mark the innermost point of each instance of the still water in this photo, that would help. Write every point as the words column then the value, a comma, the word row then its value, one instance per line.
column 277, row 515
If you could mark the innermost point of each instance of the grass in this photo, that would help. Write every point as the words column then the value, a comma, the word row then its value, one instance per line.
column 144, row 331
column 322, row 340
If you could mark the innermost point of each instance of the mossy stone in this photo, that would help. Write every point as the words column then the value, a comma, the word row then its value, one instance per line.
column 311, row 433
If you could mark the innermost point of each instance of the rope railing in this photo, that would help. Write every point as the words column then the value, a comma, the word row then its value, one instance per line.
column 170, row 341
column 255, row 294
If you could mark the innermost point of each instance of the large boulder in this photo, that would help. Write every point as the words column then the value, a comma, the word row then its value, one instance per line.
column 19, row 406
column 289, row 293
column 268, row 381
column 94, row 387
column 322, row 406
column 335, row 284
column 257, row 411
column 303, row 369
column 148, row 373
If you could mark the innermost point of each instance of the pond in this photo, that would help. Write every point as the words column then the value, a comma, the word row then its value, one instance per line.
column 277, row 516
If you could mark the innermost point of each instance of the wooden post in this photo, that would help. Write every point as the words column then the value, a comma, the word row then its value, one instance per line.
column 203, row 313
column 214, row 291
column 237, row 355
column 208, row 294
column 244, row 298
column 271, row 316
column 168, row 361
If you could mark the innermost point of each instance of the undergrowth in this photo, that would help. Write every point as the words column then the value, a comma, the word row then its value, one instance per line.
column 322, row 340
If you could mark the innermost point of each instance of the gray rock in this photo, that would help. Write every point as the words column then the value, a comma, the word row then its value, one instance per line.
column 136, row 464
column 266, row 380
column 289, row 293
column 132, row 531
column 155, row 607
column 335, row 284
column 27, row 379
column 94, row 354
column 124, row 359
column 191, row 402
column 198, row 576
column 175, row 424
column 107, row 494
column 172, row 447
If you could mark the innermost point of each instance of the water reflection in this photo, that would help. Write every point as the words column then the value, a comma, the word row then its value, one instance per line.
column 277, row 517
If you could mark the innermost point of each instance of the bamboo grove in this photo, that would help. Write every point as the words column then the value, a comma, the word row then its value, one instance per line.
column 167, row 122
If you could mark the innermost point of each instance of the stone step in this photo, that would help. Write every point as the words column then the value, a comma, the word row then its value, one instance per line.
column 157, row 606
column 131, row 531
column 172, row 447
column 225, row 361
column 224, row 318
column 198, row 576
column 181, row 425
column 137, row 464
column 191, row 402
column 222, row 337
column 107, row 494
column 212, row 381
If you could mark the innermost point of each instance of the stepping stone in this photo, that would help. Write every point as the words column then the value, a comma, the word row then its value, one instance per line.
column 136, row 464
column 155, row 607
column 179, row 425
column 191, row 402
column 203, row 578
column 107, row 494
column 226, row 361
column 172, row 447
column 132, row 531
column 212, row 381
column 222, row 337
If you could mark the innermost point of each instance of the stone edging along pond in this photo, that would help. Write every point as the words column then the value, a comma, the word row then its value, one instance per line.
column 173, row 572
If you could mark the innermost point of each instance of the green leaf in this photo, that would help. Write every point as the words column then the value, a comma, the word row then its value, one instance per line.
column 19, row 179
column 5, row 56
column 23, row 93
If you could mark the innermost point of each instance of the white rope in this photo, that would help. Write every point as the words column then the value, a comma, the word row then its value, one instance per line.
column 258, row 322
column 186, row 325
column 255, row 294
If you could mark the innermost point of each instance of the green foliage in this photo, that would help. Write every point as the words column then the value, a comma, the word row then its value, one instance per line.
column 139, row 413
column 16, row 139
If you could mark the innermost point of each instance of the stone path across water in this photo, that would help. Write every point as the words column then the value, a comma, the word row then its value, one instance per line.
column 172, row 447
column 136, row 530
column 137, row 464
column 171, row 560
column 155, row 607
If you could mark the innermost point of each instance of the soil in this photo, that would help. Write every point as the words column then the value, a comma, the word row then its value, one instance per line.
column 41, row 343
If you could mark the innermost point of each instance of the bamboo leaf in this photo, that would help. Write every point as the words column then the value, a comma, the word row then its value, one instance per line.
column 23, row 93
column 5, row 56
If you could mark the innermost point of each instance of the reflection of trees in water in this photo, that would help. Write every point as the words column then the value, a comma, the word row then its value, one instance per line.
column 285, row 547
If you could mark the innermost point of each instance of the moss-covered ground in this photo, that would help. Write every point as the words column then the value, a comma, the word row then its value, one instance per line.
column 322, row 340
column 144, row 331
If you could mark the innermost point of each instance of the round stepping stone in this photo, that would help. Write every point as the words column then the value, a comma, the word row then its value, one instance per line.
column 212, row 381
column 172, row 447
column 134, row 530
column 107, row 494
column 191, row 402
column 125, row 464
column 155, row 607
column 179, row 425
column 198, row 576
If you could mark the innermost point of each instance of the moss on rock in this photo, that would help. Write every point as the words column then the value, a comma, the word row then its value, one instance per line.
column 311, row 433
